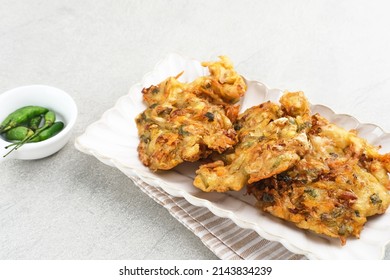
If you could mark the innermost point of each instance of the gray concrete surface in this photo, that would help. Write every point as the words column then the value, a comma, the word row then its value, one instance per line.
column 71, row 206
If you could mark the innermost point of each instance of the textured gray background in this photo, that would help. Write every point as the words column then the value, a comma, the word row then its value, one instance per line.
column 71, row 206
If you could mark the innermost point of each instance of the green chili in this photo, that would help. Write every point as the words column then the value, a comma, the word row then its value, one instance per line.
column 18, row 133
column 20, row 116
column 48, row 132
column 49, row 118
column 35, row 123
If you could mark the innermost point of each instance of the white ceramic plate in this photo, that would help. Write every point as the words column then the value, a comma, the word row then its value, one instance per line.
column 114, row 139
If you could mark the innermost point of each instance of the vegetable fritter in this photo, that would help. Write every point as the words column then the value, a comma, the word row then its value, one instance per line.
column 298, row 166
column 272, row 138
column 334, row 188
column 189, row 121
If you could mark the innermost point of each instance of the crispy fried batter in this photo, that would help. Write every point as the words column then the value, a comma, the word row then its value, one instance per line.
column 334, row 188
column 303, row 169
column 224, row 85
column 299, row 167
column 272, row 139
column 183, row 124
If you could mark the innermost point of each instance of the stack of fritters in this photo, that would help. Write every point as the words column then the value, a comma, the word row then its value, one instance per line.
column 335, row 186
column 272, row 139
column 303, row 169
column 298, row 166
column 189, row 121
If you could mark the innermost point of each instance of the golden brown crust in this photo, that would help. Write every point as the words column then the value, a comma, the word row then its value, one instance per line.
column 300, row 168
column 333, row 189
column 182, row 124
column 303, row 169
column 270, row 142
column 223, row 85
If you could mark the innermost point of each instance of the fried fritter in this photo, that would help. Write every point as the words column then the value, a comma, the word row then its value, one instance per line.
column 224, row 86
column 182, row 124
column 334, row 188
column 272, row 138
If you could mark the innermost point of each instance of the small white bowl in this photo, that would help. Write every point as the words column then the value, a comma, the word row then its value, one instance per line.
column 39, row 95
